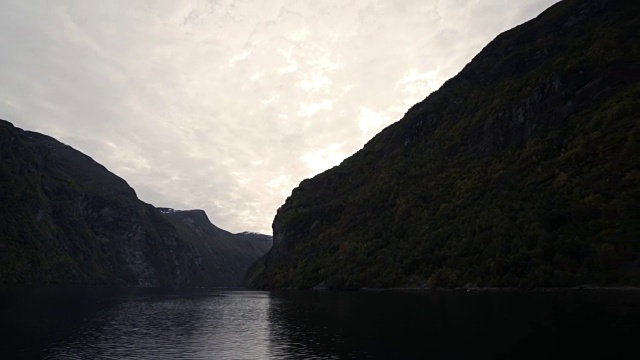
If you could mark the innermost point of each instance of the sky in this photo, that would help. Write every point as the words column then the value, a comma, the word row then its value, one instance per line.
column 226, row 105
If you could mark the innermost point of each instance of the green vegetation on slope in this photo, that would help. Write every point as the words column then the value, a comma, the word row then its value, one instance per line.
column 523, row 170
column 66, row 219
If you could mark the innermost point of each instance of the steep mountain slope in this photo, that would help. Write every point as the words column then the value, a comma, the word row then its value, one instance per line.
column 66, row 219
column 228, row 256
column 522, row 170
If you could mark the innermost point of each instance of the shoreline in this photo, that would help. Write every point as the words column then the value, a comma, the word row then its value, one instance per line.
column 586, row 287
column 514, row 289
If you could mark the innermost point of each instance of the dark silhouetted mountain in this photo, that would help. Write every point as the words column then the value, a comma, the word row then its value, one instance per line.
column 226, row 257
column 522, row 170
column 66, row 219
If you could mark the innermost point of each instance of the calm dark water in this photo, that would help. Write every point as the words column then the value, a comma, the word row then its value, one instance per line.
column 138, row 323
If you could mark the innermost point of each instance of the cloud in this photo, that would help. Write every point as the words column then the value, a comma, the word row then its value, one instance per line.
column 228, row 105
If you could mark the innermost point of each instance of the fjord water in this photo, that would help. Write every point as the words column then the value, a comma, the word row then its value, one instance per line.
column 139, row 323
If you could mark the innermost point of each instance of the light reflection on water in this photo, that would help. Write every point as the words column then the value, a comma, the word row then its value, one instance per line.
column 135, row 323
column 224, row 325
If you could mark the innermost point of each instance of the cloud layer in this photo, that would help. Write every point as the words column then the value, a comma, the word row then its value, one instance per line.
column 227, row 105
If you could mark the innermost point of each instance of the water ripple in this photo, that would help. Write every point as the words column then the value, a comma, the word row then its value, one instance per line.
column 232, row 326
column 102, row 323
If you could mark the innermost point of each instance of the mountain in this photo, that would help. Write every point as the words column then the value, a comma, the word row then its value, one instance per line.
column 66, row 219
column 522, row 170
column 228, row 256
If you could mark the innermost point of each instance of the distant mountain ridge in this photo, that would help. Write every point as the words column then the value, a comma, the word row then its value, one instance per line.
column 523, row 171
column 228, row 261
column 66, row 219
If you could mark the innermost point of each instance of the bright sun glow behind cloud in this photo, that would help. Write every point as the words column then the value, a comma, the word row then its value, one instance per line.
column 322, row 159
column 371, row 122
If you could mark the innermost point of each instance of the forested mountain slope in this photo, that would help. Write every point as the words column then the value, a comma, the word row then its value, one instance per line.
column 66, row 219
column 522, row 170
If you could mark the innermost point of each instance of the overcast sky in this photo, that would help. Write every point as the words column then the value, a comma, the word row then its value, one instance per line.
column 226, row 105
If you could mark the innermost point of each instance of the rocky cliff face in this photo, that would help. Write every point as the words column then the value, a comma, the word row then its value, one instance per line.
column 522, row 170
column 66, row 219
